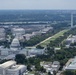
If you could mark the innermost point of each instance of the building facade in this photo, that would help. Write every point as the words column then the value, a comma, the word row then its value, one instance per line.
column 10, row 68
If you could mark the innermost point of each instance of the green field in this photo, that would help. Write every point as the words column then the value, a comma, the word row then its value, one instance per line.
column 52, row 38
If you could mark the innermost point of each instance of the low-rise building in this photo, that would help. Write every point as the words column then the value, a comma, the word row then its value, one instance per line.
column 36, row 51
column 8, row 53
column 2, row 34
column 72, row 65
column 18, row 31
column 56, row 66
column 28, row 36
column 50, row 67
column 10, row 68
column 70, row 40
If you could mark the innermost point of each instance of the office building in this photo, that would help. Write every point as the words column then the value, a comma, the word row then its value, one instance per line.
column 10, row 68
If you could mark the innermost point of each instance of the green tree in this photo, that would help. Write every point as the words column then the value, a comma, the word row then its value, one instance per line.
column 37, row 73
column 49, row 73
column 20, row 58
column 42, row 69
column 29, row 67
column 39, row 47
column 54, row 72
column 68, row 72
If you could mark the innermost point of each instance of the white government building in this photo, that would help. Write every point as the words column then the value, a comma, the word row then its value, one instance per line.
column 10, row 68
column 19, row 32
column 50, row 66
column 15, row 45
column 15, row 48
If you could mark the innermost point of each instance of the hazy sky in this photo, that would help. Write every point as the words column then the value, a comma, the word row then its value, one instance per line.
column 37, row 4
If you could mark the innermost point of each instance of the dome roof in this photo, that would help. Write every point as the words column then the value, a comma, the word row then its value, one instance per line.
column 15, row 43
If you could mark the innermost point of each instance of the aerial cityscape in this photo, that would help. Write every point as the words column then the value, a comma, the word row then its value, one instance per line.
column 37, row 37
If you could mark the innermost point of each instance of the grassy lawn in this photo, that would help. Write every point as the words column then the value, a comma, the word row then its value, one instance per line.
column 32, row 72
column 52, row 38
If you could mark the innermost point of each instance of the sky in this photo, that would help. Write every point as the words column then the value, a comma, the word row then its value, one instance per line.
column 38, row 4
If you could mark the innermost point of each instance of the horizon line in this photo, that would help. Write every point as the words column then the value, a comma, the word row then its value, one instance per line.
column 37, row 9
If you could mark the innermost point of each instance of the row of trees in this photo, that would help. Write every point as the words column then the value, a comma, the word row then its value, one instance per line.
column 35, row 40
column 62, row 55
column 21, row 59
column 68, row 72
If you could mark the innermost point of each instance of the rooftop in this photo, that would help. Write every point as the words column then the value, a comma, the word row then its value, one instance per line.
column 56, row 63
column 7, row 64
column 72, row 65
column 18, row 29
column 16, row 67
